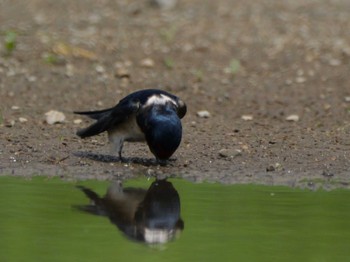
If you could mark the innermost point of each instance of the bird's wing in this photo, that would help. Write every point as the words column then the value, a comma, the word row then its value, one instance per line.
column 109, row 118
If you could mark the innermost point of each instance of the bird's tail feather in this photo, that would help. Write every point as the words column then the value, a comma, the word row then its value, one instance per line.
column 96, row 207
column 94, row 114
column 89, row 193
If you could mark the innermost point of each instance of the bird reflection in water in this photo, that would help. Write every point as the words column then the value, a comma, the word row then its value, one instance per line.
column 151, row 216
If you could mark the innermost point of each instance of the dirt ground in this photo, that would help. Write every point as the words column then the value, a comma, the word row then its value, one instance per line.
column 251, row 64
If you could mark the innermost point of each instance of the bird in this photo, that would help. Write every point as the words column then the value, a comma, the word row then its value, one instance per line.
column 151, row 216
column 148, row 115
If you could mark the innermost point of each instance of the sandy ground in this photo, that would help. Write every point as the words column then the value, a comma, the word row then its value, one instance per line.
column 251, row 64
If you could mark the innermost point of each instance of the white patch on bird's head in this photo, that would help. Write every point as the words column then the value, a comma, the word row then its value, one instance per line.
column 160, row 99
column 158, row 236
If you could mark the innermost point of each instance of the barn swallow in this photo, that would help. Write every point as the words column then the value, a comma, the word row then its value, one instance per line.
column 149, row 115
column 151, row 216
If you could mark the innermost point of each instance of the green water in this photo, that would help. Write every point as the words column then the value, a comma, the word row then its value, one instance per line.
column 221, row 223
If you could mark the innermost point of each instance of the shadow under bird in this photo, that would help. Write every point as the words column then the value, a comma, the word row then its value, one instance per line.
column 151, row 216
column 149, row 115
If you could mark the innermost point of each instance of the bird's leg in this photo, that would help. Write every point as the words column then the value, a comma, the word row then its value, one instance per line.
column 117, row 146
column 120, row 153
column 115, row 190
column 120, row 149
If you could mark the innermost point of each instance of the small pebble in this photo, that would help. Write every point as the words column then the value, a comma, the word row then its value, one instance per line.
column 77, row 121
column 187, row 47
column 294, row 118
column 31, row 78
column 232, row 153
column 247, row 117
column 100, row 69
column 347, row 99
column 327, row 107
column 300, row 79
column 289, row 82
column 14, row 107
column 10, row 123
column 53, row 117
column 147, row 62
column 334, row 62
column 122, row 72
column 22, row 119
column 164, row 4
column 203, row 114
column 69, row 70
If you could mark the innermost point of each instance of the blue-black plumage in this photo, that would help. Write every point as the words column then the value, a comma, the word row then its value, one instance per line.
column 149, row 115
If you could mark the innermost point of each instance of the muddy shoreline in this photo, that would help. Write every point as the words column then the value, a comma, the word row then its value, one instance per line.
column 273, row 76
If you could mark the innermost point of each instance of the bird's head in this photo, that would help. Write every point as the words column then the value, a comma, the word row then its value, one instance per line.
column 164, row 137
column 163, row 131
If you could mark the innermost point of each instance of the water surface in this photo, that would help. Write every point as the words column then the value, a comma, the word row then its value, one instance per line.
column 38, row 222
